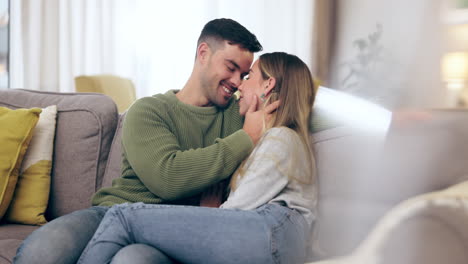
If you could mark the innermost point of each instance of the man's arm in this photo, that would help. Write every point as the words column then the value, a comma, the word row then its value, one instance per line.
column 171, row 173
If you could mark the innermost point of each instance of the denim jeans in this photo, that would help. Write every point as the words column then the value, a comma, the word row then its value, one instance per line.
column 140, row 254
column 61, row 240
column 270, row 234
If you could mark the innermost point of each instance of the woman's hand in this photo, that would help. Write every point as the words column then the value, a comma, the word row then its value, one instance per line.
column 253, row 123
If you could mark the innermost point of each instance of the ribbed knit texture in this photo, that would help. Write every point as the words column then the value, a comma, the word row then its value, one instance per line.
column 172, row 151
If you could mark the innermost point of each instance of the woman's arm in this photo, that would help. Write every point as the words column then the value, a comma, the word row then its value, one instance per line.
column 267, row 169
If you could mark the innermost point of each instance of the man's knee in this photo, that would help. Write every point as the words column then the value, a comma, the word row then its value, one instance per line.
column 140, row 254
column 61, row 240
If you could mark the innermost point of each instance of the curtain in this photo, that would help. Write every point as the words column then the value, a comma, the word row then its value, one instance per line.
column 323, row 33
column 54, row 40
column 152, row 43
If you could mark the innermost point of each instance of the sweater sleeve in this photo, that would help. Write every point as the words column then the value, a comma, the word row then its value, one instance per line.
column 153, row 151
column 266, row 173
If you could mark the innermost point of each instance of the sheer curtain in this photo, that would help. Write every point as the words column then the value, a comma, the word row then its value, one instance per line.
column 150, row 42
column 52, row 41
column 323, row 33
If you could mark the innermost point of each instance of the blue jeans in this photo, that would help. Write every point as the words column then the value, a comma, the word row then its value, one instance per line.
column 61, row 240
column 140, row 254
column 270, row 234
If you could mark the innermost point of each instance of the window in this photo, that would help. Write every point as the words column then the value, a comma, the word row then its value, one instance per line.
column 4, row 43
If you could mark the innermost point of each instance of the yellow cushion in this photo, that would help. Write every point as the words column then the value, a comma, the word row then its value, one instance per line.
column 121, row 90
column 317, row 83
column 16, row 128
column 31, row 196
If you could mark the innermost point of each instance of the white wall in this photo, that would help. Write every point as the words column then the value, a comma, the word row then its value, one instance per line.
column 406, row 70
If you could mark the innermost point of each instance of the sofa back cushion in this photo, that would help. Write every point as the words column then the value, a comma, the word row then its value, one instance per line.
column 345, row 153
column 344, row 157
column 425, row 151
column 114, row 161
column 86, row 124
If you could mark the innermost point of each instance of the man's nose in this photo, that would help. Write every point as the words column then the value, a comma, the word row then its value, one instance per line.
column 241, row 87
column 236, row 81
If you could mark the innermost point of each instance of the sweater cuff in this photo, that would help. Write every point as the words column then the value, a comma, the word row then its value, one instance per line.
column 240, row 143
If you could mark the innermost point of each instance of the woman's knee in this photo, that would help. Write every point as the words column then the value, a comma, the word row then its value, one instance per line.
column 140, row 254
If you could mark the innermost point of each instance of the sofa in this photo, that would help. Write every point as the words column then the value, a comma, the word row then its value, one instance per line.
column 401, row 200
column 85, row 130
column 365, row 168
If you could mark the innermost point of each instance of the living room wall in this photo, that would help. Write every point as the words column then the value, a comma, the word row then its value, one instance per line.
column 389, row 52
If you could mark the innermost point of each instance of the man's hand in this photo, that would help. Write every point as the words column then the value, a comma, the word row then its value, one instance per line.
column 253, row 123
column 213, row 196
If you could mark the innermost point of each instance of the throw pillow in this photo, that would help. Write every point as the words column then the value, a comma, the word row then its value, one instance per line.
column 31, row 196
column 16, row 128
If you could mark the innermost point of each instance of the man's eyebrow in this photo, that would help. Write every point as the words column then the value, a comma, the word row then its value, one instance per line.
column 233, row 63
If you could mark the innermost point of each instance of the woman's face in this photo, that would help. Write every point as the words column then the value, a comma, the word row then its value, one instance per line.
column 253, row 84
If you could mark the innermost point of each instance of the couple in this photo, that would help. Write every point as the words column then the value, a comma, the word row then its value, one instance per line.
column 180, row 148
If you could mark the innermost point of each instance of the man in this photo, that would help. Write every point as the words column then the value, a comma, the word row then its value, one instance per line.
column 175, row 145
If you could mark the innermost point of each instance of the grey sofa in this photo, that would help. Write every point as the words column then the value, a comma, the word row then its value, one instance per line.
column 362, row 172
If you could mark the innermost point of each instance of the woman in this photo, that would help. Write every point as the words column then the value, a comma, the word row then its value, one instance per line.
column 270, row 210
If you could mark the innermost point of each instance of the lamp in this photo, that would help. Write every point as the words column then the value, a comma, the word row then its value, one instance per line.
column 455, row 73
column 455, row 69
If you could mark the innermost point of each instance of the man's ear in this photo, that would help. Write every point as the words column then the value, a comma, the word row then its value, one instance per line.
column 269, row 85
column 203, row 52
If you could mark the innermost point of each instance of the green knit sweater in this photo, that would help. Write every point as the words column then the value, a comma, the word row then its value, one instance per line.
column 172, row 151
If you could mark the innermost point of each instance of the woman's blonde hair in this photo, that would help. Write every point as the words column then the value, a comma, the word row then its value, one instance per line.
column 294, row 86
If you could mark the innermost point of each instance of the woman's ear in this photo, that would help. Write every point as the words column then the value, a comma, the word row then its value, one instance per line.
column 269, row 85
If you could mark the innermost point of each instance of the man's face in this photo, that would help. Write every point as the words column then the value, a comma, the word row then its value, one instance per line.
column 224, row 72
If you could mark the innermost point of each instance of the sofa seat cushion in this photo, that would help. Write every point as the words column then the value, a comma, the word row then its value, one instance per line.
column 15, row 231
column 8, row 250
